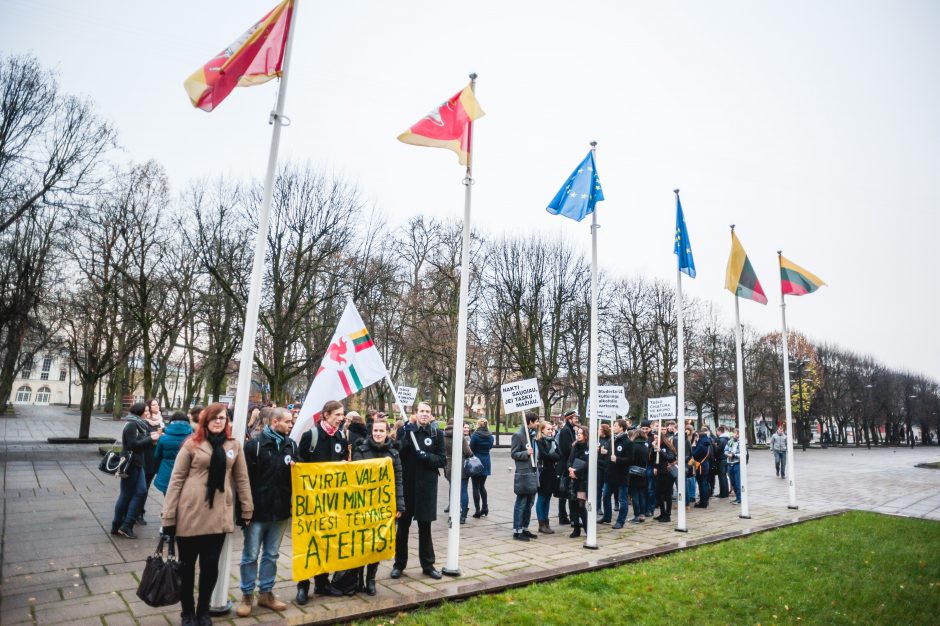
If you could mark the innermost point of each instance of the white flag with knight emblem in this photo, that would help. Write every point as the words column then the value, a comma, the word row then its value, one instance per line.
column 351, row 364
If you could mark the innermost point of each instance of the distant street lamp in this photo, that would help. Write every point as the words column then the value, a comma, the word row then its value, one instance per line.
column 869, row 420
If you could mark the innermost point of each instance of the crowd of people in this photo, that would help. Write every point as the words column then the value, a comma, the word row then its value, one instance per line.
column 212, row 482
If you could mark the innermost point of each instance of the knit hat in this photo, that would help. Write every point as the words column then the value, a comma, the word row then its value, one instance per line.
column 645, row 424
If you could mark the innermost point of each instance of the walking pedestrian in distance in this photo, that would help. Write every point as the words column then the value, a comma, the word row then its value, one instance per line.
column 548, row 456
column 421, row 447
column 198, row 512
column 525, row 454
column 323, row 443
column 379, row 446
column 565, row 437
column 778, row 445
column 168, row 446
column 268, row 459
column 138, row 438
column 578, row 477
column 481, row 442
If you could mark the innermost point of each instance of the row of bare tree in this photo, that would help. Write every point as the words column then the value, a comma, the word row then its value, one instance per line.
column 136, row 283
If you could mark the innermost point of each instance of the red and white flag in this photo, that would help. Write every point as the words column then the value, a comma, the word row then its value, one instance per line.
column 351, row 364
column 447, row 126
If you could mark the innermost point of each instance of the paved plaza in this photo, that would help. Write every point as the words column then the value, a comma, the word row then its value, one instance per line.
column 61, row 565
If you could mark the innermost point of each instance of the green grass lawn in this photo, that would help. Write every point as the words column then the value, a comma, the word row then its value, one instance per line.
column 855, row 568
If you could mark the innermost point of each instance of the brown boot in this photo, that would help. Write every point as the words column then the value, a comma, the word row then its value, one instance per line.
column 270, row 601
column 544, row 528
column 244, row 608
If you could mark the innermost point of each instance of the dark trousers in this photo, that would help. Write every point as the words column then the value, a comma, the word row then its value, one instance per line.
column 206, row 548
column 479, row 494
column 722, row 479
column 664, row 483
column 425, row 544
column 578, row 512
column 562, row 510
column 143, row 505
column 131, row 498
column 320, row 581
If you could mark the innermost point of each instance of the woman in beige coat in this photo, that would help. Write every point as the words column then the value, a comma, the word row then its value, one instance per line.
column 209, row 473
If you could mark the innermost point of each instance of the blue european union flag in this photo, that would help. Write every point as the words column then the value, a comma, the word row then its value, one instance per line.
column 580, row 193
column 683, row 247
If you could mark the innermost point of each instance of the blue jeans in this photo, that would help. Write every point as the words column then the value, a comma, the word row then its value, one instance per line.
column 689, row 486
column 650, row 491
column 266, row 538
column 131, row 498
column 734, row 473
column 522, row 512
column 624, row 504
column 464, row 495
column 543, row 502
column 638, row 493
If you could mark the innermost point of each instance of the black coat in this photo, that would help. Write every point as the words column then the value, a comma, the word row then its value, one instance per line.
column 640, row 452
column 623, row 450
column 368, row 449
column 603, row 460
column 356, row 433
column 419, row 477
column 136, row 438
column 578, row 459
column 327, row 449
column 548, row 460
column 269, row 474
column 565, row 438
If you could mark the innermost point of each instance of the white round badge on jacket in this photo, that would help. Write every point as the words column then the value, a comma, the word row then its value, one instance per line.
column 338, row 447
column 230, row 454
column 427, row 441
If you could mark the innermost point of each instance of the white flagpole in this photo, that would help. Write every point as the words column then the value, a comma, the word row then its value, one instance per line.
column 680, row 400
column 742, row 438
column 791, row 470
column 591, row 539
column 453, row 532
column 220, row 604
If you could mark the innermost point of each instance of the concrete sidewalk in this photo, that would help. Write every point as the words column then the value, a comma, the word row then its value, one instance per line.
column 61, row 565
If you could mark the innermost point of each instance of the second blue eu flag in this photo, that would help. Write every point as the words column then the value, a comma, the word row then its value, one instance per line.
column 579, row 194
column 683, row 247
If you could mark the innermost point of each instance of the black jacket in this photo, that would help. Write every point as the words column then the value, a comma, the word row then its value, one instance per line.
column 565, row 438
column 548, row 459
column 617, row 470
column 603, row 460
column 269, row 474
column 419, row 476
column 640, row 452
column 356, row 433
column 369, row 449
column 327, row 449
column 578, row 459
column 136, row 438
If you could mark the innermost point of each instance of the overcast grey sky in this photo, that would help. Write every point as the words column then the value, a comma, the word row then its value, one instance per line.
column 811, row 125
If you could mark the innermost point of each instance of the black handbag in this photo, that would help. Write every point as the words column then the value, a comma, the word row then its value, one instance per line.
column 525, row 483
column 160, row 582
column 472, row 466
column 563, row 489
column 116, row 463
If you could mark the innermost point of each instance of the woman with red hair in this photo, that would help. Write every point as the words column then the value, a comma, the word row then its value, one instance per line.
column 198, row 509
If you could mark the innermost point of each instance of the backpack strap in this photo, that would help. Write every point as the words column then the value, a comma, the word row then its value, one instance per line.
column 314, row 437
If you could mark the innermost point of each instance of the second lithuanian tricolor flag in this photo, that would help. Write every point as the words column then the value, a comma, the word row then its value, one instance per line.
column 740, row 278
column 795, row 281
column 447, row 126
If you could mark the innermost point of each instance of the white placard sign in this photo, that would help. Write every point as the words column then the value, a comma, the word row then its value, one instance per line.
column 661, row 408
column 521, row 395
column 611, row 401
column 407, row 395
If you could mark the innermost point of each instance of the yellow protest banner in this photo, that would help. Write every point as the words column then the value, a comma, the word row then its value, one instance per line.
column 343, row 515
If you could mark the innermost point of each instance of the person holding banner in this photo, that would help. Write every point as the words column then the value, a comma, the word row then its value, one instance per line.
column 548, row 457
column 526, row 480
column 323, row 443
column 379, row 446
column 421, row 447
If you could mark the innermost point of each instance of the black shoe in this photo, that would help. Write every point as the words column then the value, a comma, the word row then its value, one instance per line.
column 127, row 531
column 701, row 506
column 664, row 520
column 396, row 572
column 575, row 533
column 447, row 510
column 303, row 594
column 187, row 619
column 526, row 533
column 114, row 531
column 433, row 573
column 485, row 511
column 477, row 515
column 617, row 526
column 328, row 590
column 141, row 521
column 203, row 618
column 519, row 537
column 603, row 521
column 564, row 521
column 370, row 586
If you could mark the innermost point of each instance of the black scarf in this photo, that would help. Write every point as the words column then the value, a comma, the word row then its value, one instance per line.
column 216, row 480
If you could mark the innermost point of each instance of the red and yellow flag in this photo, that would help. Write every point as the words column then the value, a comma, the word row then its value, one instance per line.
column 254, row 58
column 447, row 126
